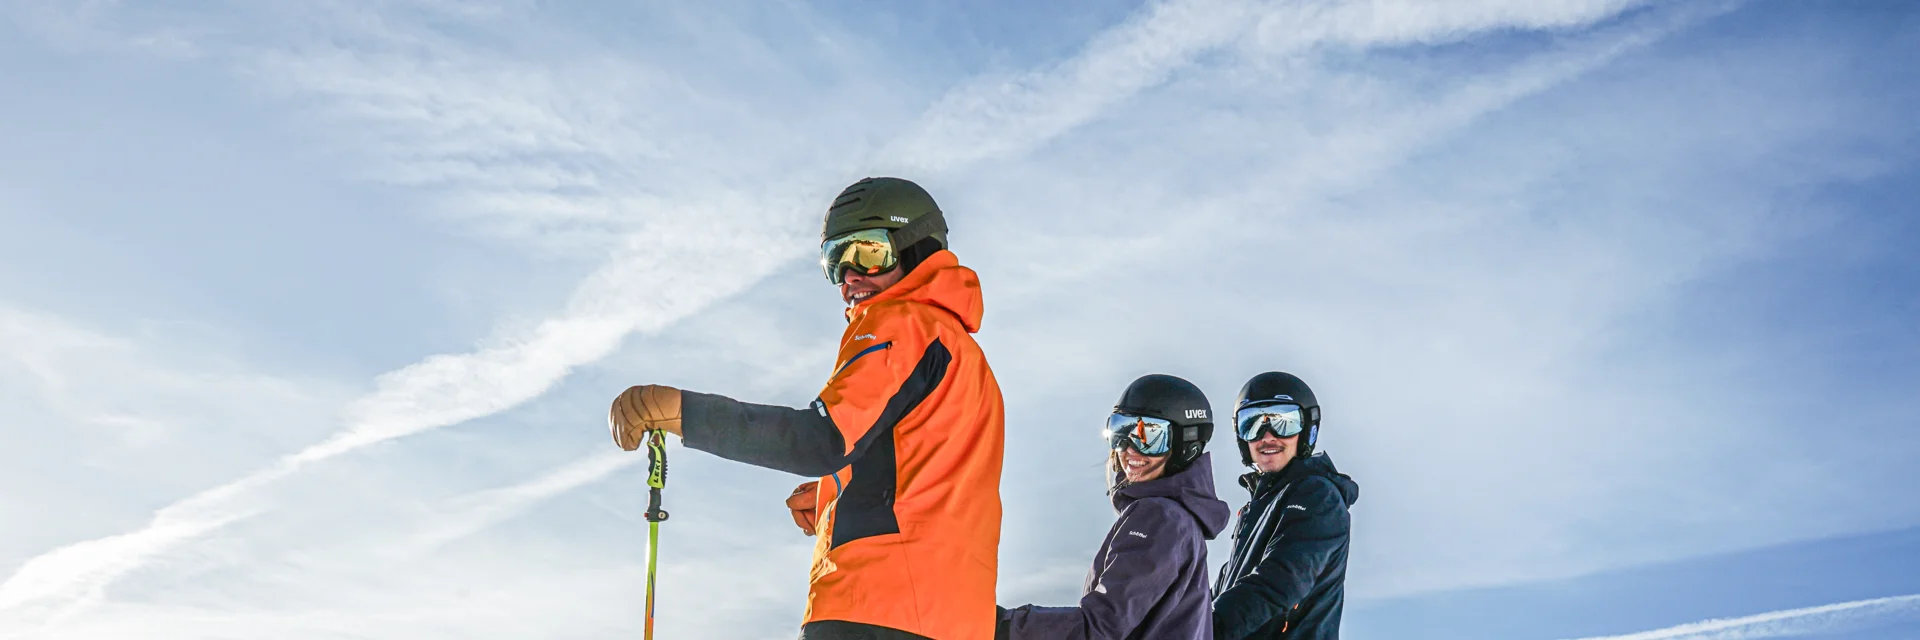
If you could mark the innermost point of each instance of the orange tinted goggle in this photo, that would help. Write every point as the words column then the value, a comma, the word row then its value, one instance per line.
column 867, row 252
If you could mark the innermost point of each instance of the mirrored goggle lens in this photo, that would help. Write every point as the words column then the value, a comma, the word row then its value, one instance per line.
column 868, row 251
column 1146, row 435
column 1281, row 419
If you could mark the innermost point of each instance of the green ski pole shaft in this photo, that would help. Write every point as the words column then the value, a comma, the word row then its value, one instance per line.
column 656, row 481
column 653, row 557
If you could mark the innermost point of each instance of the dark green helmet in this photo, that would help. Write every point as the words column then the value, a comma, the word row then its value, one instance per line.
column 907, row 211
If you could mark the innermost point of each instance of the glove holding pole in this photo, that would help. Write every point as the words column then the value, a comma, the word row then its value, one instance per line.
column 639, row 415
column 646, row 413
column 638, row 410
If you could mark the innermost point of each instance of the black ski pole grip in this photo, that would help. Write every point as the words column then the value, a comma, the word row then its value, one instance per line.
column 654, row 512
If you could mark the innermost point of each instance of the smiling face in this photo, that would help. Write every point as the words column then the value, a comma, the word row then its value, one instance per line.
column 1272, row 453
column 857, row 287
column 1139, row 467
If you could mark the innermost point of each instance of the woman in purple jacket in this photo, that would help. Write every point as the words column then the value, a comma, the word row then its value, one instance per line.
column 1150, row 578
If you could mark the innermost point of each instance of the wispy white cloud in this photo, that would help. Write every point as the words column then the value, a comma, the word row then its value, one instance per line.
column 1357, row 148
column 643, row 293
column 130, row 392
column 504, row 131
column 1787, row 623
column 476, row 512
column 131, row 406
column 1301, row 25
column 994, row 116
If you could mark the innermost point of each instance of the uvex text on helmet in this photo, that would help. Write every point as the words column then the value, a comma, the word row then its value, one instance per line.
column 907, row 211
column 1277, row 387
column 1176, row 401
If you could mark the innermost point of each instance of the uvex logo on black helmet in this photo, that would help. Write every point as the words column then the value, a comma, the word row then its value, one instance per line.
column 1162, row 415
column 878, row 224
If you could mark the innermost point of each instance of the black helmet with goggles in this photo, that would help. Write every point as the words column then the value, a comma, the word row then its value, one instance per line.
column 1278, row 403
column 1162, row 415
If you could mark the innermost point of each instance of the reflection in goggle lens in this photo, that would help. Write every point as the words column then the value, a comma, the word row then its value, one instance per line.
column 1281, row 419
column 869, row 251
column 1145, row 434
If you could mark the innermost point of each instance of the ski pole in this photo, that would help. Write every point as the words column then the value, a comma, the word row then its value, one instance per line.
column 656, row 481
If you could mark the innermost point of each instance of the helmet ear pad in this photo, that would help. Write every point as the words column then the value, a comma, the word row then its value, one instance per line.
column 911, row 256
column 1311, row 437
column 1193, row 442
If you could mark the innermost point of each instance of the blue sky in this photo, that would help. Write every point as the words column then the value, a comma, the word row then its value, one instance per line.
column 309, row 314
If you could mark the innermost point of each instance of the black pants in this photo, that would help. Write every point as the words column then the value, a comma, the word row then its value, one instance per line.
column 837, row 630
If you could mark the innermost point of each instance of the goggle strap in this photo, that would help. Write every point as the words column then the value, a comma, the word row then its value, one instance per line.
column 920, row 229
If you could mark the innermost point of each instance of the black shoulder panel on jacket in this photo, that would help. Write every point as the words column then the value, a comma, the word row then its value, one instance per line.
column 865, row 509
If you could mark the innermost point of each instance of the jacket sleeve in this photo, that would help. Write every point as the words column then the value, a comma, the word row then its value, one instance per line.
column 885, row 372
column 1145, row 552
column 1314, row 525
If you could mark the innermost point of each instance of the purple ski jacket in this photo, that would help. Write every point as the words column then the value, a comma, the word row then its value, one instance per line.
column 1150, row 579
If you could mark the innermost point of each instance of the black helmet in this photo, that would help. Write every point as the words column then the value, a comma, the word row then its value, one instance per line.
column 1275, row 387
column 1176, row 401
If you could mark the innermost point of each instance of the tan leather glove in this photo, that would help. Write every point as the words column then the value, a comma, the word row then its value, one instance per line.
column 641, row 409
column 803, row 502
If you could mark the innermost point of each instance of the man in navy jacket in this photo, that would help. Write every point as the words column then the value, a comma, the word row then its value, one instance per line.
column 1287, row 576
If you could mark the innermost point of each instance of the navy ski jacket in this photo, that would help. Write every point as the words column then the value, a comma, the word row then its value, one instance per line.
column 1287, row 577
column 1150, row 579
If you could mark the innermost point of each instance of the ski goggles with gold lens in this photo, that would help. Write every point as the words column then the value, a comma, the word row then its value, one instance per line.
column 867, row 251
column 1146, row 434
column 1281, row 420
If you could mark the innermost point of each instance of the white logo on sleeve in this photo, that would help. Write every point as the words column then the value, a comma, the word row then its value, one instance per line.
column 1295, row 506
column 863, row 336
column 1136, row 534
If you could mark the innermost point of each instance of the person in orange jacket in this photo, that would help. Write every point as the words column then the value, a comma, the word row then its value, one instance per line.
column 906, row 438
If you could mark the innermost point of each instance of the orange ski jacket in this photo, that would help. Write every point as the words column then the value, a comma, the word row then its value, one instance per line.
column 907, row 439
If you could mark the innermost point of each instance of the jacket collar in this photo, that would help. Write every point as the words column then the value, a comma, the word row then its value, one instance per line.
column 939, row 281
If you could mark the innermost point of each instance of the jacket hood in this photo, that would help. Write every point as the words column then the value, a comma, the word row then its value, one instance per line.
column 1319, row 464
column 939, row 281
column 1192, row 488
